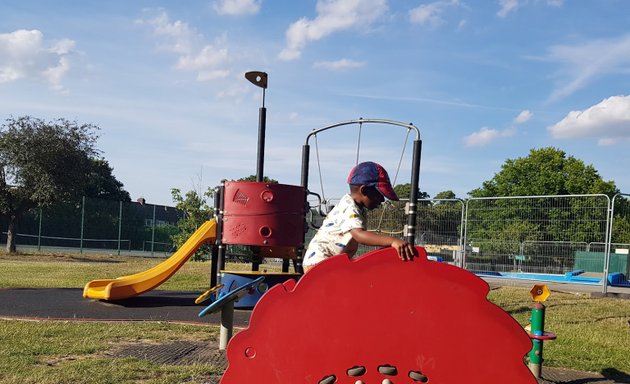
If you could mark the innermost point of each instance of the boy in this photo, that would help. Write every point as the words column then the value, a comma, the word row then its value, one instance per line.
column 345, row 226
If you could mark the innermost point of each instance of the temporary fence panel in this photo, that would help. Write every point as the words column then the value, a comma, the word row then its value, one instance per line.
column 540, row 234
column 438, row 225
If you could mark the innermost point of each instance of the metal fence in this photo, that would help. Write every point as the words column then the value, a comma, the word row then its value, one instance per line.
column 97, row 225
column 532, row 234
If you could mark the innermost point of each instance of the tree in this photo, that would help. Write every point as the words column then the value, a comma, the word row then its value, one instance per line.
column 196, row 212
column 42, row 163
column 253, row 178
column 403, row 191
column 102, row 184
column 546, row 171
column 446, row 195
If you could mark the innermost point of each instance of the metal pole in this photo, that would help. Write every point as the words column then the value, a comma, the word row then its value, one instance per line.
column 260, row 165
column 262, row 125
column 153, row 232
column 39, row 232
column 465, row 240
column 227, row 325
column 413, row 198
column 82, row 222
column 462, row 238
column 119, row 224
column 306, row 152
column 218, row 260
column 537, row 329
column 609, row 220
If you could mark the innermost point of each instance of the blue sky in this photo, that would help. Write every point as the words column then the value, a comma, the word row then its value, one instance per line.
column 484, row 81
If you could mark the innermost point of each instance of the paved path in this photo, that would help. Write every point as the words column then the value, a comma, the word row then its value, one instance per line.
column 68, row 303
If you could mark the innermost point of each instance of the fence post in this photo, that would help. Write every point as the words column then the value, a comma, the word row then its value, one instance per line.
column 39, row 231
column 119, row 224
column 465, row 236
column 609, row 221
column 462, row 236
column 153, row 231
column 82, row 222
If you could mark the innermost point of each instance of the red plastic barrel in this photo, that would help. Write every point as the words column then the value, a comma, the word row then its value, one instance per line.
column 263, row 214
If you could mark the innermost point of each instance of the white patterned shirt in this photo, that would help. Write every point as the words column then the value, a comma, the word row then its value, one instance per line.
column 334, row 235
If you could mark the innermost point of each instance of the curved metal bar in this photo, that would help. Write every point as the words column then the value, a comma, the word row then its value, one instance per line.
column 410, row 228
column 361, row 120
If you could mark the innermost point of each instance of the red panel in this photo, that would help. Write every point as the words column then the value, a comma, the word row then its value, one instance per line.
column 346, row 318
column 254, row 198
column 265, row 230
column 263, row 214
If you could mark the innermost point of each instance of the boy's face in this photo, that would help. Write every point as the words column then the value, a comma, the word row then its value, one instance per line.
column 372, row 198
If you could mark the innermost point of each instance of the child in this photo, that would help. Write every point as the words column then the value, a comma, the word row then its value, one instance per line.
column 345, row 226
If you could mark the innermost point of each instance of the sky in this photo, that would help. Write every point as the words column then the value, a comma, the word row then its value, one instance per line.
column 484, row 81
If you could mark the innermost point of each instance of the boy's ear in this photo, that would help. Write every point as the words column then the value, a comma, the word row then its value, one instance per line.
column 362, row 189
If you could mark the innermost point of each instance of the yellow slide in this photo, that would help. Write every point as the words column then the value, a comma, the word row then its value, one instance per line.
column 133, row 285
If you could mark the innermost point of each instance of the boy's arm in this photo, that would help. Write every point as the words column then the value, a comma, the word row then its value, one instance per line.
column 405, row 250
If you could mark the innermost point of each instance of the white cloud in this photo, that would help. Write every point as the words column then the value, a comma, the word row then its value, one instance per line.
column 507, row 6
column 332, row 16
column 339, row 65
column 209, row 61
column 237, row 7
column 582, row 63
column 487, row 135
column 431, row 14
column 523, row 117
column 25, row 54
column 607, row 121
column 555, row 3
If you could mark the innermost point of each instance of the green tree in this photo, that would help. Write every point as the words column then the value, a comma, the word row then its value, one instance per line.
column 196, row 212
column 446, row 195
column 403, row 191
column 42, row 163
column 253, row 178
column 102, row 184
column 546, row 171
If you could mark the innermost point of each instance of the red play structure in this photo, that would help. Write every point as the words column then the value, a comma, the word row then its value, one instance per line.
column 377, row 319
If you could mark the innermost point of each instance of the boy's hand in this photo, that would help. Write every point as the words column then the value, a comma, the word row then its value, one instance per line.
column 405, row 250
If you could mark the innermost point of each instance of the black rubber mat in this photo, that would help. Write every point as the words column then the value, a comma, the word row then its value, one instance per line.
column 68, row 303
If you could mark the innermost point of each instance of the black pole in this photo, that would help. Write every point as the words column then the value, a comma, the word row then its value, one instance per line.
column 218, row 251
column 262, row 125
column 415, row 187
column 306, row 152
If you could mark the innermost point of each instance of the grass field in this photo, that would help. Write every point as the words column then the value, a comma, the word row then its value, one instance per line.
column 593, row 334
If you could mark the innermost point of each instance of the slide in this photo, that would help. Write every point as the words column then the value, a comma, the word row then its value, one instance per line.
column 136, row 284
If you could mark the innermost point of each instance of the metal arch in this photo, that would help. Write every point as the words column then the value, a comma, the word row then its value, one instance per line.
column 361, row 120
column 410, row 229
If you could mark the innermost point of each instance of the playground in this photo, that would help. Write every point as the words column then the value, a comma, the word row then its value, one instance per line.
column 193, row 345
column 369, row 319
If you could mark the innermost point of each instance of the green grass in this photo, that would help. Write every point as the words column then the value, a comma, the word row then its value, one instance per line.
column 593, row 333
column 74, row 271
column 75, row 352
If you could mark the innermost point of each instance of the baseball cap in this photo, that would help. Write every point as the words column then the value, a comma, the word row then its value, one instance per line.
column 373, row 175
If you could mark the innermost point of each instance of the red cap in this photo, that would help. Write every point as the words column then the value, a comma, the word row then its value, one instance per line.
column 373, row 175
